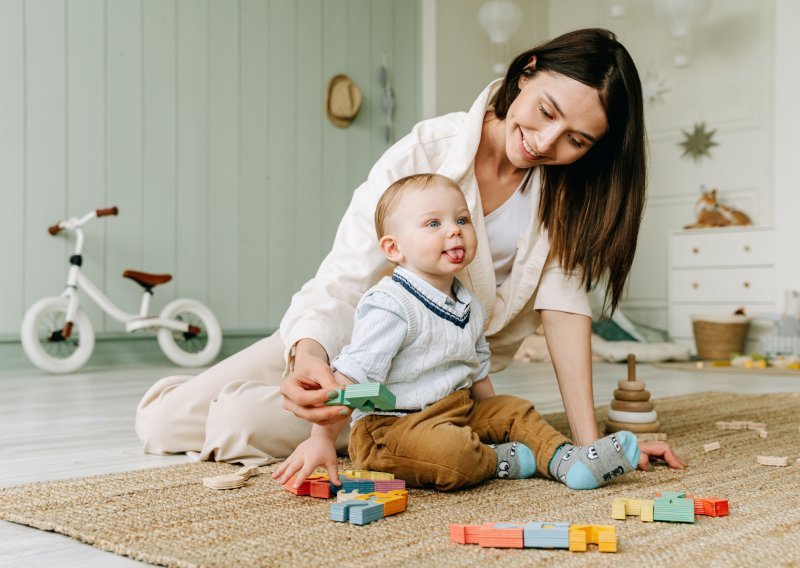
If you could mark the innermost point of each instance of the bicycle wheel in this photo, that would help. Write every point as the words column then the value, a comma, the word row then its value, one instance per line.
column 43, row 342
column 190, row 348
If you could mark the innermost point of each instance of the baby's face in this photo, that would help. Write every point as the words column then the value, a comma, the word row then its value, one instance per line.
column 434, row 231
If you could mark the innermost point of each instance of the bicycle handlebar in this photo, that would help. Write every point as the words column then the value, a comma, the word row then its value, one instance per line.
column 74, row 223
column 108, row 211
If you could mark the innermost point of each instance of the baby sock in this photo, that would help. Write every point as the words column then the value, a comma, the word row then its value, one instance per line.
column 514, row 460
column 589, row 467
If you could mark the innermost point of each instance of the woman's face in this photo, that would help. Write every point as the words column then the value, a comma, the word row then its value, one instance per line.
column 554, row 121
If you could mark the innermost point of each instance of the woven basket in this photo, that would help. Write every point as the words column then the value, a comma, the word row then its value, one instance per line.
column 719, row 337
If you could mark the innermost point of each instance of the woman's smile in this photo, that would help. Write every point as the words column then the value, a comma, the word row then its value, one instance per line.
column 527, row 151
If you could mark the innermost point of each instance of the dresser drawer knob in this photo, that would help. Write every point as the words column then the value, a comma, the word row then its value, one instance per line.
column 695, row 285
column 695, row 250
column 746, row 248
column 746, row 284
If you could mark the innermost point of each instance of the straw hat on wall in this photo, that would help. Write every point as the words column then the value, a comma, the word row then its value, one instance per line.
column 342, row 101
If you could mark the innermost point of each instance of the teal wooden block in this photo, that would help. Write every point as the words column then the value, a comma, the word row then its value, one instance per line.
column 672, row 494
column 673, row 509
column 365, row 397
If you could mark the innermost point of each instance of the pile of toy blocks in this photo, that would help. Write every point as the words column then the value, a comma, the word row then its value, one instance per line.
column 363, row 497
column 575, row 538
column 670, row 506
column 319, row 484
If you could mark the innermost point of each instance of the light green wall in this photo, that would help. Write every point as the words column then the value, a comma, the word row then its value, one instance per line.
column 203, row 121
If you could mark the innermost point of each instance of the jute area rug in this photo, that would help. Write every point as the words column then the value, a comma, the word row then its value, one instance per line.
column 708, row 367
column 165, row 516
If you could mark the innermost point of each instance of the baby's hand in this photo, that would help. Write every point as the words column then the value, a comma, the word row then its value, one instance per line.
column 658, row 450
column 314, row 452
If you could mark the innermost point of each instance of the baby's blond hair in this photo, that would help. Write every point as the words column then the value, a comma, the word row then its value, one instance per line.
column 391, row 197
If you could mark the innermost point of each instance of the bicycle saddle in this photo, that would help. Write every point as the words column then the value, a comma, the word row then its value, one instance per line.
column 145, row 279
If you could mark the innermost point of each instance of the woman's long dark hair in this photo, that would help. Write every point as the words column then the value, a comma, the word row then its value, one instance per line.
column 592, row 208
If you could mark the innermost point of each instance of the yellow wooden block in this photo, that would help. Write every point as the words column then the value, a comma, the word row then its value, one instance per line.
column 577, row 540
column 618, row 509
column 366, row 474
column 621, row 508
column 604, row 536
column 646, row 513
column 607, row 542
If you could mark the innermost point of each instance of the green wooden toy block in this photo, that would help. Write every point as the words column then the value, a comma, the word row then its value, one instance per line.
column 673, row 509
column 365, row 397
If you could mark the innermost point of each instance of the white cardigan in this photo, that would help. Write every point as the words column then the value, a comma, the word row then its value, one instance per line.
column 324, row 308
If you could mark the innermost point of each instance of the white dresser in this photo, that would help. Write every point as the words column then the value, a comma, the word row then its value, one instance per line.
column 716, row 271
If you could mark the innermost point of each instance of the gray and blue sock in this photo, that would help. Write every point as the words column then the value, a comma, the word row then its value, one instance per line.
column 589, row 467
column 514, row 460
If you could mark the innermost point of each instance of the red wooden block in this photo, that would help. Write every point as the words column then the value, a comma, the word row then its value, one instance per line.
column 321, row 489
column 458, row 534
column 712, row 507
column 501, row 535
column 304, row 489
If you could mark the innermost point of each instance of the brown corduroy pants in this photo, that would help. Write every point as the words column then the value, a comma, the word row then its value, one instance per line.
column 445, row 446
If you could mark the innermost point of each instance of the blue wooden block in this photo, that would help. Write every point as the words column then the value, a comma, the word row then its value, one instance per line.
column 341, row 512
column 351, row 484
column 365, row 515
column 546, row 535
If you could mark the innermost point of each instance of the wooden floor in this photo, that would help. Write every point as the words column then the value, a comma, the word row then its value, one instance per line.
column 57, row 427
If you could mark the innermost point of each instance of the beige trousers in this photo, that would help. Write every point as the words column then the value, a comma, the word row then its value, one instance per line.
column 231, row 412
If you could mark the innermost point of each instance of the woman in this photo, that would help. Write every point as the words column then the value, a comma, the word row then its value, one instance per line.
column 552, row 164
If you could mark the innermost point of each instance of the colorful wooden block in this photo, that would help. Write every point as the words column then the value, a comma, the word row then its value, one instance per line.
column 365, row 515
column 712, row 507
column 621, row 508
column 546, row 535
column 777, row 461
column 366, row 397
column 340, row 512
column 303, row 489
column 366, row 474
column 604, row 536
column 362, row 485
column 577, row 541
column 320, row 489
column 458, row 534
column 343, row 495
column 501, row 535
column 673, row 509
column 465, row 534
column 394, row 501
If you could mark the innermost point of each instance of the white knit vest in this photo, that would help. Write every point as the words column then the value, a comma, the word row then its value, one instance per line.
column 438, row 355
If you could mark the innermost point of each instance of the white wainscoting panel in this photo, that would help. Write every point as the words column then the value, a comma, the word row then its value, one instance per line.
column 204, row 122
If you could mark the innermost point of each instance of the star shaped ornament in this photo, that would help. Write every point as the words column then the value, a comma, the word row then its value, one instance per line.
column 698, row 143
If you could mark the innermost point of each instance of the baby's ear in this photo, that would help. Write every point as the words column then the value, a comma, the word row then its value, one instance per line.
column 388, row 245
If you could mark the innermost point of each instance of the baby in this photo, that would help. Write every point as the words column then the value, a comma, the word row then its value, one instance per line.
column 420, row 332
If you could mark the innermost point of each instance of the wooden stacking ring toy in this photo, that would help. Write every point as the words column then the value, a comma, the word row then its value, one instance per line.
column 631, row 408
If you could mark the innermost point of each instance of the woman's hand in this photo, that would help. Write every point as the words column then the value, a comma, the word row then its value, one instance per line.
column 650, row 451
column 310, row 385
column 316, row 451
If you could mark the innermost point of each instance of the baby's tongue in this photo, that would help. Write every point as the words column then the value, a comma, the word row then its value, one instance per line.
column 455, row 254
